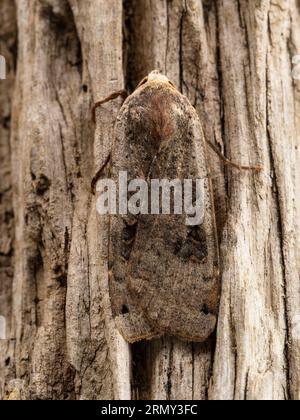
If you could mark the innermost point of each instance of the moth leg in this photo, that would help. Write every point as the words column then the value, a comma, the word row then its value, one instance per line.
column 123, row 93
column 228, row 162
column 98, row 175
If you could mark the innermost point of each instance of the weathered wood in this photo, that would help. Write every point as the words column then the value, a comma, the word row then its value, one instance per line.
column 233, row 60
column 256, row 354
column 8, row 51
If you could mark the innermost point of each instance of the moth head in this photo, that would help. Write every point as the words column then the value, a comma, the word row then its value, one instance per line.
column 156, row 76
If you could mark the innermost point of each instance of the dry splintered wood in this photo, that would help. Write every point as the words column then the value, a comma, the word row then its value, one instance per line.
column 164, row 274
column 236, row 62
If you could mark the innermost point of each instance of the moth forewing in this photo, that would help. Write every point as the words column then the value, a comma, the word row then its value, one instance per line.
column 163, row 271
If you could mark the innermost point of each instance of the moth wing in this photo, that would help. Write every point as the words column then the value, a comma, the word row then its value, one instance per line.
column 171, row 270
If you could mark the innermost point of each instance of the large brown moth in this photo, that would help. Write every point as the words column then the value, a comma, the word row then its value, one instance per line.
column 163, row 273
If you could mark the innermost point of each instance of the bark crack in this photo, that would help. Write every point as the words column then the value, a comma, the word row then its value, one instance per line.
column 246, row 385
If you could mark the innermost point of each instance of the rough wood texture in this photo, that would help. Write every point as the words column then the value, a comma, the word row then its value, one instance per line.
column 233, row 60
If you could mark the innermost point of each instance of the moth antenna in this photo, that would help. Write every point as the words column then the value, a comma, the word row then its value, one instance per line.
column 228, row 162
column 123, row 93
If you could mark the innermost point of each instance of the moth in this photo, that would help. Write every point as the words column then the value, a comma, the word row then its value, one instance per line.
column 163, row 273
